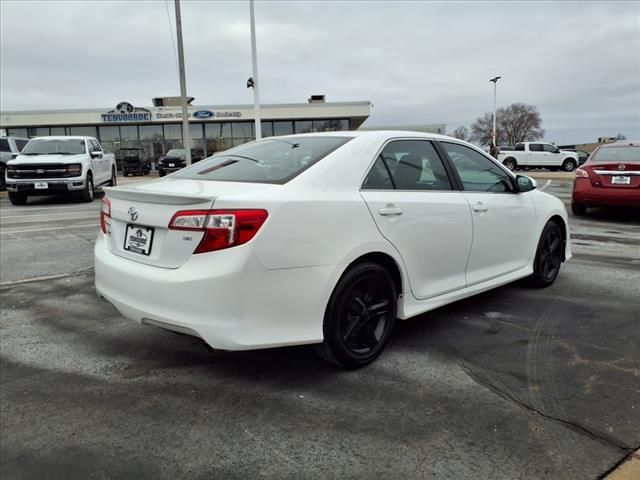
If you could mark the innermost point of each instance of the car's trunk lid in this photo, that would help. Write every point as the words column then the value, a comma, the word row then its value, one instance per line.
column 614, row 174
column 140, row 216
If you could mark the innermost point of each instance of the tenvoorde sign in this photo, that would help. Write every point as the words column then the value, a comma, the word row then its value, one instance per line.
column 125, row 112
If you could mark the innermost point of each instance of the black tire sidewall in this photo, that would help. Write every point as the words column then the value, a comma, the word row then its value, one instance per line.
column 537, row 277
column 510, row 161
column 17, row 198
column 332, row 320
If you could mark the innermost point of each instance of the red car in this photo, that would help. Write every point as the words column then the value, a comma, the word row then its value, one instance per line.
column 609, row 178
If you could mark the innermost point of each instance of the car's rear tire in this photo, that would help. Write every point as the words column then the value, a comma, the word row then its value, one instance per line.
column 510, row 163
column 114, row 178
column 549, row 255
column 578, row 209
column 360, row 316
column 569, row 165
column 87, row 193
column 17, row 198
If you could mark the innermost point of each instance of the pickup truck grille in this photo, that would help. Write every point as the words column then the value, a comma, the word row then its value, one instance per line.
column 35, row 171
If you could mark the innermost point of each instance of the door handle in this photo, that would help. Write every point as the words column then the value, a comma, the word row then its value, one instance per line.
column 390, row 210
column 480, row 207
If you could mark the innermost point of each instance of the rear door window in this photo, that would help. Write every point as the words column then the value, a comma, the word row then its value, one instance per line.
column 409, row 165
column 4, row 145
column 535, row 147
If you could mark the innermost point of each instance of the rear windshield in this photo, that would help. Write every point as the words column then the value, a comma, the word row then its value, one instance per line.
column 60, row 146
column 616, row 154
column 274, row 160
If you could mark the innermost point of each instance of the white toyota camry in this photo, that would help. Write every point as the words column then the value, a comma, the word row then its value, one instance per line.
column 323, row 239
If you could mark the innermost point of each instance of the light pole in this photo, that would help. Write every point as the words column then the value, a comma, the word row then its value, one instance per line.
column 183, row 87
column 495, row 88
column 254, row 80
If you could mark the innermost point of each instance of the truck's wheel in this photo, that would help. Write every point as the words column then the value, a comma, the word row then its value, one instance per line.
column 87, row 193
column 510, row 163
column 114, row 178
column 2, row 180
column 569, row 165
column 17, row 198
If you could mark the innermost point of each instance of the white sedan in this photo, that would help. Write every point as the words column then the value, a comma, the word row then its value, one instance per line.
column 323, row 239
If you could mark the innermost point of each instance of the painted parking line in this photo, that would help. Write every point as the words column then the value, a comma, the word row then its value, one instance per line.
column 38, row 230
column 546, row 185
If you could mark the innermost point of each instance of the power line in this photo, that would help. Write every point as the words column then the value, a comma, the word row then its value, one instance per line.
column 173, row 41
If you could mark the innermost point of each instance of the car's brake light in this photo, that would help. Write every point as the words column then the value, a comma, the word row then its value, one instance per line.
column 580, row 173
column 105, row 212
column 222, row 228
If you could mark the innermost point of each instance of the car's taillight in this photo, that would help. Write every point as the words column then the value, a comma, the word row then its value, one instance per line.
column 222, row 228
column 580, row 173
column 105, row 212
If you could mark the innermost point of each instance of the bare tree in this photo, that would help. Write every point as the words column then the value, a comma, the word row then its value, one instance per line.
column 462, row 133
column 516, row 123
column 620, row 136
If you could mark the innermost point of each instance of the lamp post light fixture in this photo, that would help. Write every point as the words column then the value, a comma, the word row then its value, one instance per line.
column 495, row 87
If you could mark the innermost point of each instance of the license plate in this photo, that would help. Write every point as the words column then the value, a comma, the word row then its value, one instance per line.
column 138, row 239
column 620, row 180
column 172, row 164
column 41, row 185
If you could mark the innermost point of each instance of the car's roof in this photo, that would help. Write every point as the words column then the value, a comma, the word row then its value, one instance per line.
column 65, row 137
column 372, row 134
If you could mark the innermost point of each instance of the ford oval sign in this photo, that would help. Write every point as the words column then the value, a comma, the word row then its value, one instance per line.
column 203, row 114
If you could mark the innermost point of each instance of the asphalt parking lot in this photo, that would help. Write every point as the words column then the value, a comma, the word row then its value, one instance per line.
column 513, row 383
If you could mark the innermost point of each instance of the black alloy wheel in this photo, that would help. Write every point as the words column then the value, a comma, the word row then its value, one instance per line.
column 17, row 198
column 360, row 316
column 548, row 256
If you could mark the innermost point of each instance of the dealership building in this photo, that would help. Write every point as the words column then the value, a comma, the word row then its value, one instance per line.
column 157, row 129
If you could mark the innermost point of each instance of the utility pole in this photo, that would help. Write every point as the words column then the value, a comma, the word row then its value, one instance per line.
column 255, row 83
column 183, row 87
column 495, row 88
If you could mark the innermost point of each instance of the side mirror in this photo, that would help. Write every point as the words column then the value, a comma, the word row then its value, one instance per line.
column 525, row 184
column 96, row 154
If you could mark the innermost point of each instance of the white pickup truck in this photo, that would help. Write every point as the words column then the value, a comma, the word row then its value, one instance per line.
column 535, row 154
column 59, row 165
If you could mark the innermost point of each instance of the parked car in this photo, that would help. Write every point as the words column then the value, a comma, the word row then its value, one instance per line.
column 133, row 161
column 609, row 178
column 534, row 154
column 10, row 147
column 323, row 238
column 59, row 165
column 175, row 159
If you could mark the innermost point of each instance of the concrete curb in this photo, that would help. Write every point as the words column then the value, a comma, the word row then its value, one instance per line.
column 627, row 470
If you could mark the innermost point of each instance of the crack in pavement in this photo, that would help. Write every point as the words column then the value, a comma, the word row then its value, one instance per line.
column 574, row 426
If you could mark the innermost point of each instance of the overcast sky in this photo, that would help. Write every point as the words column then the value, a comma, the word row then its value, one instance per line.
column 417, row 62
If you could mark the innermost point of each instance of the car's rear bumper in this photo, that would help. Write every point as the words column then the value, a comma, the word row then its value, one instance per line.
column 585, row 193
column 228, row 298
column 54, row 186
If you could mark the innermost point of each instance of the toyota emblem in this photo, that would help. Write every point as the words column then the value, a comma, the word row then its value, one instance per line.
column 622, row 166
column 133, row 213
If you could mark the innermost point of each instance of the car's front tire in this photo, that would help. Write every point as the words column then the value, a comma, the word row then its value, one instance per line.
column 549, row 255
column 360, row 316
column 17, row 198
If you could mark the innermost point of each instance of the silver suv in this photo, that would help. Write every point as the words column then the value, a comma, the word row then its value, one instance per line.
column 10, row 147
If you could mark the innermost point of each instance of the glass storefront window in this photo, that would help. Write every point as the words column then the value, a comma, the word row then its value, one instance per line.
column 330, row 125
column 58, row 131
column 83, row 131
column 304, row 126
column 129, row 132
column 108, row 134
column 173, row 132
column 17, row 132
column 282, row 128
column 242, row 130
column 267, row 129
column 39, row 132
column 151, row 132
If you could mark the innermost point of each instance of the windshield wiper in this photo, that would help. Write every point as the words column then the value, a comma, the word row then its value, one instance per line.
column 32, row 153
column 60, row 153
column 293, row 145
column 242, row 156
